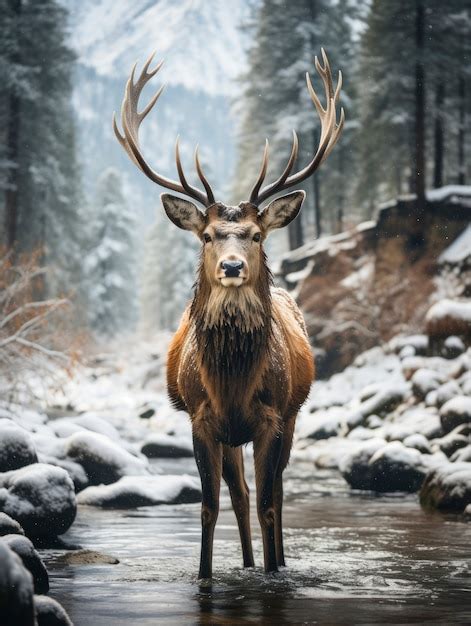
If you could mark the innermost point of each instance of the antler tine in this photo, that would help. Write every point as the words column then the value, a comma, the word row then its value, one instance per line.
column 261, row 176
column 330, row 133
column 203, row 179
column 131, row 119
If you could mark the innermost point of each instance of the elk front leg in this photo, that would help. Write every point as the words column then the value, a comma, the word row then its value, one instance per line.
column 267, row 448
column 288, row 431
column 233, row 474
column 208, row 456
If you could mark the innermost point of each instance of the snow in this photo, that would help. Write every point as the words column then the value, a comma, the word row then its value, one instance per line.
column 459, row 250
column 448, row 192
column 23, row 547
column 358, row 278
column 9, row 526
column 131, row 492
column 16, row 446
column 103, row 459
column 203, row 46
column 454, row 309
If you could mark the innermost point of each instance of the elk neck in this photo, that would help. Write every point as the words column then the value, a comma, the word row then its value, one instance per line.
column 233, row 326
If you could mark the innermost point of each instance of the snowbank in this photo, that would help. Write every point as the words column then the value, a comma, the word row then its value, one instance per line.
column 131, row 492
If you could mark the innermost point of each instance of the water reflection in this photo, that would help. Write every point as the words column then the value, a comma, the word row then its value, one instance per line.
column 351, row 559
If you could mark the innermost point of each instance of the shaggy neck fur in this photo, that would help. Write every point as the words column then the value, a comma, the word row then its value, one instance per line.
column 233, row 325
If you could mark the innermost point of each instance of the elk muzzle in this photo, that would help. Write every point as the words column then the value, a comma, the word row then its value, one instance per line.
column 232, row 271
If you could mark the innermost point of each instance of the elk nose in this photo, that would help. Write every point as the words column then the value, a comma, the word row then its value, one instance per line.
column 232, row 268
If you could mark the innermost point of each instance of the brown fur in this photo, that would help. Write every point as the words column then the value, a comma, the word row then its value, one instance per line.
column 241, row 365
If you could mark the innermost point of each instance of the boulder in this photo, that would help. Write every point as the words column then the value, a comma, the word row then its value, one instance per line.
column 16, row 447
column 105, row 461
column 412, row 421
column 451, row 442
column 396, row 468
column 16, row 590
column 23, row 547
column 447, row 487
column 135, row 491
column 446, row 392
column 40, row 497
column 355, row 468
column 9, row 526
column 455, row 412
column 424, row 381
column 161, row 446
column 452, row 347
column 419, row 442
column 75, row 470
column 419, row 344
column 50, row 613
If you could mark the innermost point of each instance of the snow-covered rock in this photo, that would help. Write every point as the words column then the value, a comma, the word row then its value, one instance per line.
column 455, row 412
column 453, row 347
column 40, row 497
column 447, row 487
column 453, row 441
column 16, row 590
column 75, row 470
column 396, row 468
column 9, row 526
column 419, row 442
column 16, row 446
column 381, row 403
column 323, row 424
column 135, row 491
column 426, row 380
column 419, row 344
column 414, row 420
column 355, row 466
column 444, row 393
column 449, row 317
column 23, row 547
column 104, row 461
column 162, row 446
column 50, row 613
column 462, row 455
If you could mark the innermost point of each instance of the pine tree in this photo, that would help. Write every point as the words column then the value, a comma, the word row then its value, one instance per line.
column 275, row 100
column 111, row 264
column 40, row 175
column 168, row 275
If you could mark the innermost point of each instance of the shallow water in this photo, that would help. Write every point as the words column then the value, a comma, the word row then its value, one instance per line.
column 352, row 559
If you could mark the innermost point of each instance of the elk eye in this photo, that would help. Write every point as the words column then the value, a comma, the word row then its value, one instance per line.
column 207, row 238
column 257, row 237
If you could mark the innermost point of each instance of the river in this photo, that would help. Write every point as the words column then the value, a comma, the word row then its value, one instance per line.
column 352, row 558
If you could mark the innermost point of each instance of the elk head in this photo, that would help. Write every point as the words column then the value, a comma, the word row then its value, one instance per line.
column 232, row 237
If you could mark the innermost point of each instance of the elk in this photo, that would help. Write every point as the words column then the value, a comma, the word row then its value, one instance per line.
column 240, row 362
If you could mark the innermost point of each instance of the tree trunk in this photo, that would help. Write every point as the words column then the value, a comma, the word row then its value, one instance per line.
column 295, row 233
column 12, row 152
column 419, row 173
column 438, row 136
column 461, row 130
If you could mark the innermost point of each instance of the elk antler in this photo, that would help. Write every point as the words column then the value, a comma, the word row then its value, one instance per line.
column 131, row 120
column 330, row 133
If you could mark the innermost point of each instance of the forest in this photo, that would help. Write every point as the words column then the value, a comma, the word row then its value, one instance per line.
column 94, row 279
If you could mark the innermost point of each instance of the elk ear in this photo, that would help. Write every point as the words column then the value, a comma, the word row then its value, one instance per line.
column 281, row 211
column 183, row 213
